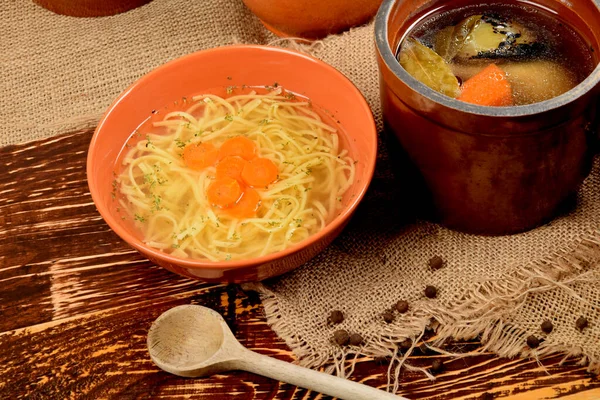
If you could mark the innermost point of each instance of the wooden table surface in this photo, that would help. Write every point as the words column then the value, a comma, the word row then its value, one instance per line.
column 76, row 303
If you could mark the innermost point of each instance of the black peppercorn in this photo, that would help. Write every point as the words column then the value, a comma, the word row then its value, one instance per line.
column 547, row 326
column 388, row 316
column 336, row 317
column 533, row 341
column 436, row 262
column 430, row 291
column 402, row 306
column 437, row 366
column 341, row 337
column 406, row 344
column 356, row 339
column 581, row 323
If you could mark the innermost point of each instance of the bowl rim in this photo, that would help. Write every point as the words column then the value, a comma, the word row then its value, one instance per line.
column 389, row 58
column 337, row 223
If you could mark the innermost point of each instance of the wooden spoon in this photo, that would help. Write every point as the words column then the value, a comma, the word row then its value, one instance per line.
column 194, row 341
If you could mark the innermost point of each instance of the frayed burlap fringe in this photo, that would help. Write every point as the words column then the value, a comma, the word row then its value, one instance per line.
column 485, row 313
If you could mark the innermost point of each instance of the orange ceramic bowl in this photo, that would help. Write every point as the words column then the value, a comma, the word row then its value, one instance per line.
column 312, row 19
column 222, row 67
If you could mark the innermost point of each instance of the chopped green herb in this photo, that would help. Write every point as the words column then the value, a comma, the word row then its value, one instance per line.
column 229, row 89
column 264, row 122
column 229, row 117
column 228, row 257
column 148, row 178
column 157, row 203
column 180, row 143
column 290, row 96
column 113, row 193
column 139, row 218
column 175, row 246
column 298, row 222
column 148, row 142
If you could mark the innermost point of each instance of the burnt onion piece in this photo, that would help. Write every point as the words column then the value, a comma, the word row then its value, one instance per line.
column 488, row 36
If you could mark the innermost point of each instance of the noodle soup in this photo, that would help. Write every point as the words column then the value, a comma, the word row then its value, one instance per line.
column 233, row 174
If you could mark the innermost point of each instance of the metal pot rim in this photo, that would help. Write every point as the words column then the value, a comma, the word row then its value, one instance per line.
column 389, row 58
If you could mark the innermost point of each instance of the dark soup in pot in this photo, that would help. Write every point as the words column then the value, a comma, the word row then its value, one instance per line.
column 496, row 54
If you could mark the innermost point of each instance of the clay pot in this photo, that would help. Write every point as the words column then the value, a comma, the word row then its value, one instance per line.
column 487, row 170
column 312, row 19
column 90, row 8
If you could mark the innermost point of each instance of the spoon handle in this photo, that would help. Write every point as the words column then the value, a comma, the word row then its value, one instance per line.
column 309, row 379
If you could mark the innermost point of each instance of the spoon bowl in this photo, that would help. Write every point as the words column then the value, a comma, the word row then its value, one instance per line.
column 189, row 341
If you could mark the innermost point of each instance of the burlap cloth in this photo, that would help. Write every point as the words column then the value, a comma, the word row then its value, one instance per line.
column 60, row 73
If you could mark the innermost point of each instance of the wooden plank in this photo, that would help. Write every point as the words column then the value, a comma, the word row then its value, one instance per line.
column 76, row 303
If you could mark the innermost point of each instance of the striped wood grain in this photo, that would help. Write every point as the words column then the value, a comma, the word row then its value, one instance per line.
column 76, row 303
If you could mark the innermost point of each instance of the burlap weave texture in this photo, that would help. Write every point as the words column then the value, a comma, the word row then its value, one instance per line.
column 60, row 73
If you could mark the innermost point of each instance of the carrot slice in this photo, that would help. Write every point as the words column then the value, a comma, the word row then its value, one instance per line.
column 224, row 192
column 260, row 172
column 238, row 146
column 246, row 206
column 199, row 156
column 231, row 166
column 489, row 87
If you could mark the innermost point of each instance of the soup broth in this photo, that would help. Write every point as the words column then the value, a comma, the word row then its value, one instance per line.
column 236, row 176
column 496, row 54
